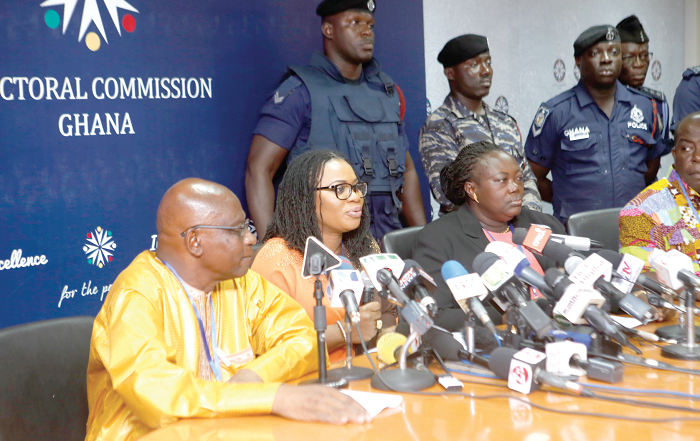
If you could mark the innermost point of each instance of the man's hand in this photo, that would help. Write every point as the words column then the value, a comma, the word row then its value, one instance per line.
column 317, row 404
column 245, row 376
column 369, row 314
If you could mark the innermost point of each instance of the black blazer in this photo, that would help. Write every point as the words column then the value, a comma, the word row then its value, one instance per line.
column 458, row 236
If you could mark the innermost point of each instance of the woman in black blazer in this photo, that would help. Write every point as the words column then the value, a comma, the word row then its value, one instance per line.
column 487, row 185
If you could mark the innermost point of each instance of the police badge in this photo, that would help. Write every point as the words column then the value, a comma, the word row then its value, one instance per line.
column 371, row 5
column 540, row 118
column 610, row 36
column 636, row 114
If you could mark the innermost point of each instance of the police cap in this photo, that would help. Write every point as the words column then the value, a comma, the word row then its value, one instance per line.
column 332, row 7
column 594, row 35
column 632, row 31
column 462, row 48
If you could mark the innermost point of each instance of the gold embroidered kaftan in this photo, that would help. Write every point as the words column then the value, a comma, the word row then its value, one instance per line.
column 143, row 371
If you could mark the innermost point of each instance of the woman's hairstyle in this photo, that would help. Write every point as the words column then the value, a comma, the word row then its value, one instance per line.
column 295, row 217
column 455, row 174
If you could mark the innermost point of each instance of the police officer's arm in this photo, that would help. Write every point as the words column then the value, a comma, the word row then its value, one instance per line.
column 544, row 185
column 411, row 200
column 652, row 169
column 264, row 160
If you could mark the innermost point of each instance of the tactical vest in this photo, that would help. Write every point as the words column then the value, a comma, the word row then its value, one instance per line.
column 359, row 121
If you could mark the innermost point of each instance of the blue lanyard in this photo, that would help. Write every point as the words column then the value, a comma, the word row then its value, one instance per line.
column 213, row 363
column 690, row 203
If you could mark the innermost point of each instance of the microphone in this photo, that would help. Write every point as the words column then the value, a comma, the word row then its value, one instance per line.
column 520, row 265
column 317, row 258
column 504, row 284
column 674, row 269
column 569, row 358
column 524, row 371
column 345, row 289
column 590, row 273
column 467, row 289
column 580, row 302
column 417, row 281
column 576, row 242
column 389, row 347
column 629, row 270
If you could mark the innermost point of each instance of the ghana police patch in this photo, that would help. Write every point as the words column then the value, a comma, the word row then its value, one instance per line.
column 540, row 118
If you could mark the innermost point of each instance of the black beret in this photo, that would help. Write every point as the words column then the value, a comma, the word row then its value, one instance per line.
column 332, row 7
column 594, row 35
column 462, row 48
column 632, row 31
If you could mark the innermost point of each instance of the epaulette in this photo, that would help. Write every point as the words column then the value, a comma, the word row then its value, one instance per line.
column 691, row 72
column 651, row 93
column 286, row 87
column 560, row 98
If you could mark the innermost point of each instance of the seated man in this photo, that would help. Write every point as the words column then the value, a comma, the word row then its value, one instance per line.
column 189, row 331
column 665, row 214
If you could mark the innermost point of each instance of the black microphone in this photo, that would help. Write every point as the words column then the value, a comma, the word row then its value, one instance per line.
column 525, row 372
column 506, row 285
column 415, row 280
column 411, row 311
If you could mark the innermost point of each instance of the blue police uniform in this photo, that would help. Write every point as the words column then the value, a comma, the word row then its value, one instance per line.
column 359, row 119
column 596, row 162
column 687, row 97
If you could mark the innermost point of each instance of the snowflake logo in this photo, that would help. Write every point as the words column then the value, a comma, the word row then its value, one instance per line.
column 91, row 14
column 656, row 70
column 501, row 104
column 559, row 70
column 99, row 247
column 577, row 73
column 428, row 107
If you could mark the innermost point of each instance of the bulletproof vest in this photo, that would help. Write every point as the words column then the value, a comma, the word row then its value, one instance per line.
column 361, row 121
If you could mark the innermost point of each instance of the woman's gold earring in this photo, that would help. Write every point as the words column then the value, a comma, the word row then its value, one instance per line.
column 476, row 199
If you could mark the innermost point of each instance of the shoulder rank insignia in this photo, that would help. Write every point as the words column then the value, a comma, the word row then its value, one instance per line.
column 653, row 93
column 540, row 118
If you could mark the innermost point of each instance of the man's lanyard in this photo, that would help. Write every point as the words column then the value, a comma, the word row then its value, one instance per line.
column 488, row 124
column 213, row 363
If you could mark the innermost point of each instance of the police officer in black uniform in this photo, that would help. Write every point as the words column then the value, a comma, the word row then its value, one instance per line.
column 635, row 64
column 687, row 97
column 341, row 101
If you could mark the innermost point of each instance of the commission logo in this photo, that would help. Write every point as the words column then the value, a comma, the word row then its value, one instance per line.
column 99, row 247
column 91, row 14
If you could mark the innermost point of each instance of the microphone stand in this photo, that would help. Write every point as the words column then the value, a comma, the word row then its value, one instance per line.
column 470, row 332
column 687, row 350
column 679, row 331
column 320, row 327
column 349, row 372
column 404, row 379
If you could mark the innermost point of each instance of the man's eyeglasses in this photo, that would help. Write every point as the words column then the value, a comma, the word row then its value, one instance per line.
column 343, row 191
column 240, row 230
column 629, row 60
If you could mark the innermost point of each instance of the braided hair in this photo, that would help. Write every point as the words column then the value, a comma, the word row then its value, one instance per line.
column 295, row 216
column 455, row 174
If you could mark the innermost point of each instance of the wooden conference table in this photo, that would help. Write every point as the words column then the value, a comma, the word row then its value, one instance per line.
column 449, row 417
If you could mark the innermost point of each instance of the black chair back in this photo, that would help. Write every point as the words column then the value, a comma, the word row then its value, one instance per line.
column 401, row 241
column 43, row 374
column 601, row 225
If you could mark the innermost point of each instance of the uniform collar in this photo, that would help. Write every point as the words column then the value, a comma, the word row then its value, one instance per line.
column 585, row 98
column 325, row 65
column 460, row 110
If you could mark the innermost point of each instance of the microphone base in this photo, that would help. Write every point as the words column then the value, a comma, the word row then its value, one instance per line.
column 676, row 332
column 406, row 380
column 350, row 374
column 334, row 383
column 681, row 352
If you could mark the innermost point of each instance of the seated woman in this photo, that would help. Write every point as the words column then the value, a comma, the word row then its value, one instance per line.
column 320, row 196
column 487, row 185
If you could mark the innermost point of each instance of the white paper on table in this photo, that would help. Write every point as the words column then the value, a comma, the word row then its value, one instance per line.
column 374, row 402
column 627, row 322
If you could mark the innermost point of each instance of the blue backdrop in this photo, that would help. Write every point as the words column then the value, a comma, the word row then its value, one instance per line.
column 98, row 121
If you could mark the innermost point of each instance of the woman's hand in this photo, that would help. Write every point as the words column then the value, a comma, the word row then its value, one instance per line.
column 370, row 313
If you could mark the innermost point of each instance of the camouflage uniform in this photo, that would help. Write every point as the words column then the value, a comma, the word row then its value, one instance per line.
column 452, row 127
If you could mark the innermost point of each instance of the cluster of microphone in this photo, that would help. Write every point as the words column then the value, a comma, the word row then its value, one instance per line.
column 536, row 348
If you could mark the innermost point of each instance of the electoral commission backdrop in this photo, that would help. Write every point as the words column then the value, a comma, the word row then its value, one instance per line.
column 104, row 104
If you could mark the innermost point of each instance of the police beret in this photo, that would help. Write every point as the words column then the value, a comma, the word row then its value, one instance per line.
column 632, row 31
column 332, row 7
column 462, row 48
column 594, row 35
